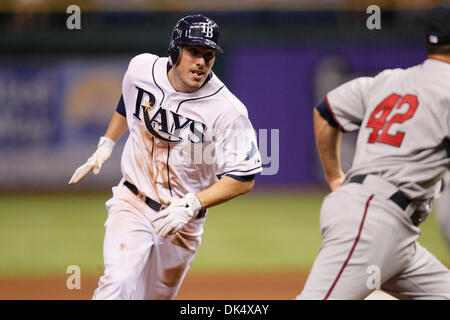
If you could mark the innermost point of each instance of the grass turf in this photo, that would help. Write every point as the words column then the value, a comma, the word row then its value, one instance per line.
column 44, row 233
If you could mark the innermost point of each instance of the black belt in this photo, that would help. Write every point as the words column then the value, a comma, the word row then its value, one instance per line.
column 399, row 198
column 152, row 203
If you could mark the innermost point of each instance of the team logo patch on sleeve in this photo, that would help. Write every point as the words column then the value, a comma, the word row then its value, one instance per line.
column 251, row 153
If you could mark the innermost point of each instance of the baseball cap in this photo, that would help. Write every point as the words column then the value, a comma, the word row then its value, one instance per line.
column 437, row 24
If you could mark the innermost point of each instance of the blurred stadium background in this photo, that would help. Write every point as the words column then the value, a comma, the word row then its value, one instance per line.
column 59, row 87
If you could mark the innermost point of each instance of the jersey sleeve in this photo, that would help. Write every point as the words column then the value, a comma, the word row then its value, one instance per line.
column 237, row 151
column 121, row 107
column 326, row 114
column 346, row 103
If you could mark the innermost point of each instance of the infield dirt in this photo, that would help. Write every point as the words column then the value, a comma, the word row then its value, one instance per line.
column 197, row 286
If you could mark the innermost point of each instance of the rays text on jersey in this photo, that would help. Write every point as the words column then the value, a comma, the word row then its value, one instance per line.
column 164, row 124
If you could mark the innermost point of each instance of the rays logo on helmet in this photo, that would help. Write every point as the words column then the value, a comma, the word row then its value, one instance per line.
column 207, row 30
column 193, row 30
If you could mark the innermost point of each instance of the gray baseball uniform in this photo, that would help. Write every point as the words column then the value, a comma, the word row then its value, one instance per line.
column 442, row 210
column 370, row 224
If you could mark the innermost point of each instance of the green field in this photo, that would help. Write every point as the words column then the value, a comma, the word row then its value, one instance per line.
column 45, row 233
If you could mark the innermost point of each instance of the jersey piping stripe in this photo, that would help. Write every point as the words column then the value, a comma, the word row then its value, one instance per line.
column 332, row 114
column 353, row 248
column 168, row 173
column 154, row 80
column 178, row 108
column 168, row 150
column 153, row 145
column 221, row 174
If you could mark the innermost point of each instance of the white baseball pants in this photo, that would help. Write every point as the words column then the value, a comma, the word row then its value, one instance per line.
column 138, row 263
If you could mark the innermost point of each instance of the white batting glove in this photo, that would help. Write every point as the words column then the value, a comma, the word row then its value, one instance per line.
column 177, row 214
column 103, row 152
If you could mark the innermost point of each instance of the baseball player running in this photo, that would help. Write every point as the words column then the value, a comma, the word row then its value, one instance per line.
column 370, row 221
column 191, row 146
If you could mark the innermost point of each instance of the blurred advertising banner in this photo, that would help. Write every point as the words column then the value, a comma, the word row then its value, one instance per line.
column 53, row 111
column 29, row 95
column 52, row 115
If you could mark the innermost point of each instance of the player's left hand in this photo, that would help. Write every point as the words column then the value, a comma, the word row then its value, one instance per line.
column 178, row 213
column 95, row 162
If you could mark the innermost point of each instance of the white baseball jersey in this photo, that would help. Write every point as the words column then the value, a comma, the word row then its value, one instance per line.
column 178, row 143
column 182, row 142
column 404, row 120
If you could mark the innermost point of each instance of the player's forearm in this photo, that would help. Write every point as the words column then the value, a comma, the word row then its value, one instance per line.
column 328, row 141
column 117, row 127
column 223, row 190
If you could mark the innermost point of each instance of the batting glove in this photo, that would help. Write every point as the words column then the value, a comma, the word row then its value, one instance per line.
column 177, row 214
column 103, row 152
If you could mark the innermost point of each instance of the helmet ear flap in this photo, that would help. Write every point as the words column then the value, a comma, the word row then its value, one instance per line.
column 174, row 54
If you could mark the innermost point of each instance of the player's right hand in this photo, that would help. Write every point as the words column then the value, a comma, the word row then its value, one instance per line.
column 176, row 215
column 103, row 153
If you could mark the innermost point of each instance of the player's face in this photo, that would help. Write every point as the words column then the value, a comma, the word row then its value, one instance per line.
column 192, row 68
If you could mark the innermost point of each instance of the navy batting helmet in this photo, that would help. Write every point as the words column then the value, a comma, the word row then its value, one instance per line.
column 193, row 30
column 437, row 24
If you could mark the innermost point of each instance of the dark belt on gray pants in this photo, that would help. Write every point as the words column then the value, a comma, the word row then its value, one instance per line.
column 399, row 198
column 152, row 203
